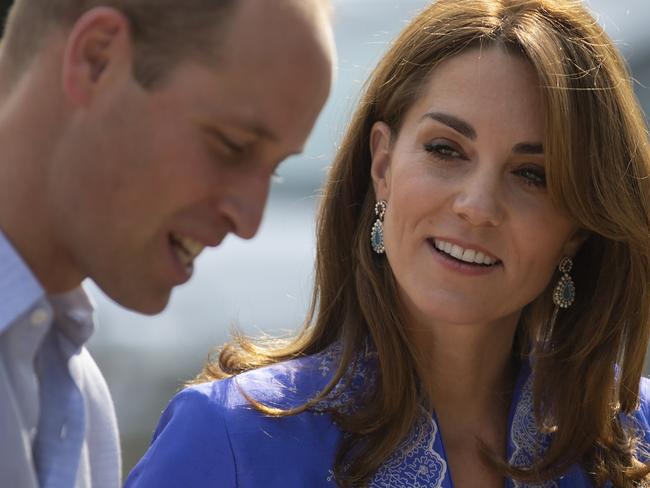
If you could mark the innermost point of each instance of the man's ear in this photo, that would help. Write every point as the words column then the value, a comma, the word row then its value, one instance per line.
column 98, row 50
column 380, row 152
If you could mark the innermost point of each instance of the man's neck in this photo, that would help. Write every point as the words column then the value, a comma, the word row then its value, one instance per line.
column 25, row 212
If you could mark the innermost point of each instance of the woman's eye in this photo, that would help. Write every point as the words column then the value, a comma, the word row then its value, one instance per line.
column 534, row 177
column 442, row 150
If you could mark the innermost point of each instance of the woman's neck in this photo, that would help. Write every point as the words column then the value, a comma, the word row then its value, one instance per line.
column 468, row 373
column 467, row 370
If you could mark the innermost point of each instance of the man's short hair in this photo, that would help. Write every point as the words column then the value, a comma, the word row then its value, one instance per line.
column 163, row 31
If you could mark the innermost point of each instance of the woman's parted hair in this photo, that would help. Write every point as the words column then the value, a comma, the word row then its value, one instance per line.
column 163, row 31
column 588, row 366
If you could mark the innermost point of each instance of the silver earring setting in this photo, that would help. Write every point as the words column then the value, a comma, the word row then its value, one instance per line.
column 564, row 293
column 377, row 233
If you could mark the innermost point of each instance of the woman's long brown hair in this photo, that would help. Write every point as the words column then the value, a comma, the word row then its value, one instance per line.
column 587, row 366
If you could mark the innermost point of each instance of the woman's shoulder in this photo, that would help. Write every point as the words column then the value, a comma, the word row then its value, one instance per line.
column 642, row 414
column 290, row 384
column 284, row 385
column 211, row 430
column 639, row 420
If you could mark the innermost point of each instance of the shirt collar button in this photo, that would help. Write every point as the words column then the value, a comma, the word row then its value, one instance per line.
column 39, row 317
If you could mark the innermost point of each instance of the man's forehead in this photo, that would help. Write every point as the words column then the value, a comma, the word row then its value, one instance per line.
column 272, row 75
column 309, row 18
column 283, row 35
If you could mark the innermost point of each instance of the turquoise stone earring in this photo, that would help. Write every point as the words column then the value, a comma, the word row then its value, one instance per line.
column 377, row 233
column 564, row 293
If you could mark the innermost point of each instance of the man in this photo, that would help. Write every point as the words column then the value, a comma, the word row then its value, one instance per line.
column 132, row 136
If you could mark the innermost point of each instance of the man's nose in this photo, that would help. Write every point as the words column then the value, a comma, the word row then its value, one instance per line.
column 244, row 203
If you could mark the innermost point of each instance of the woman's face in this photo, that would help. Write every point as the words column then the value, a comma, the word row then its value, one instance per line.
column 470, row 232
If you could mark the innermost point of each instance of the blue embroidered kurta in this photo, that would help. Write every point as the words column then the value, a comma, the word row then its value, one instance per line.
column 209, row 435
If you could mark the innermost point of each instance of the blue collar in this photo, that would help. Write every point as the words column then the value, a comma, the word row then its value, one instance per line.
column 420, row 460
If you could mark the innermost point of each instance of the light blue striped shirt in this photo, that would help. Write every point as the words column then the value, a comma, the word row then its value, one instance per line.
column 57, row 421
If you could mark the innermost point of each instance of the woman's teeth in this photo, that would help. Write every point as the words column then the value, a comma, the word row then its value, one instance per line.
column 186, row 249
column 466, row 255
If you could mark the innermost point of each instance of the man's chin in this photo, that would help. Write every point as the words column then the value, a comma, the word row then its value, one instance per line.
column 147, row 303
column 149, row 308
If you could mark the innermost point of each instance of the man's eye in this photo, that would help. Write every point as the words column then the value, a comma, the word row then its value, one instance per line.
column 233, row 147
column 224, row 145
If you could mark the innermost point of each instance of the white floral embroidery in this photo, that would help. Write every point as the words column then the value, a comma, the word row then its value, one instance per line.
column 528, row 441
column 328, row 359
column 415, row 463
column 347, row 395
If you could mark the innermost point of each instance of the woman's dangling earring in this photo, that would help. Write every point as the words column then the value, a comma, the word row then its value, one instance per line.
column 564, row 293
column 377, row 233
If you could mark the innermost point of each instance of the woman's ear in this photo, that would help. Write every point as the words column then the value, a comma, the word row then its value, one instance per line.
column 98, row 50
column 575, row 242
column 380, row 153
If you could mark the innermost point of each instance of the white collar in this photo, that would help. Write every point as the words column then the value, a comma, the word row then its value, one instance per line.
column 19, row 288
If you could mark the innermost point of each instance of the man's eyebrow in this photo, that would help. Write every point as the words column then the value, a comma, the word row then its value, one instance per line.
column 259, row 130
column 241, row 125
column 459, row 125
column 528, row 148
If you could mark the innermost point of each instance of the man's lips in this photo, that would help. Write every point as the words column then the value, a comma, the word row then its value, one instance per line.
column 187, row 248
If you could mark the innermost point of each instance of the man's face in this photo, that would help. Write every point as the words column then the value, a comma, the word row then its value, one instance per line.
column 144, row 180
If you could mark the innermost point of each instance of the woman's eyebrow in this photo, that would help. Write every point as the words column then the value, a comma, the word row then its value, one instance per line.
column 466, row 129
column 528, row 148
column 459, row 125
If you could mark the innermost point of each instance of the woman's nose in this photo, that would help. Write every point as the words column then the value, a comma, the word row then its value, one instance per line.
column 478, row 200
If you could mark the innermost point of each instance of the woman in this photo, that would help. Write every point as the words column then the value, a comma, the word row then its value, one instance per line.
column 481, row 298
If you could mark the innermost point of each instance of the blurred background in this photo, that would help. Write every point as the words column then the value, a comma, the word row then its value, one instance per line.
column 263, row 285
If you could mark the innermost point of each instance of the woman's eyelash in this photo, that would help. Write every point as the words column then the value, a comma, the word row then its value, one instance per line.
column 442, row 150
column 535, row 177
